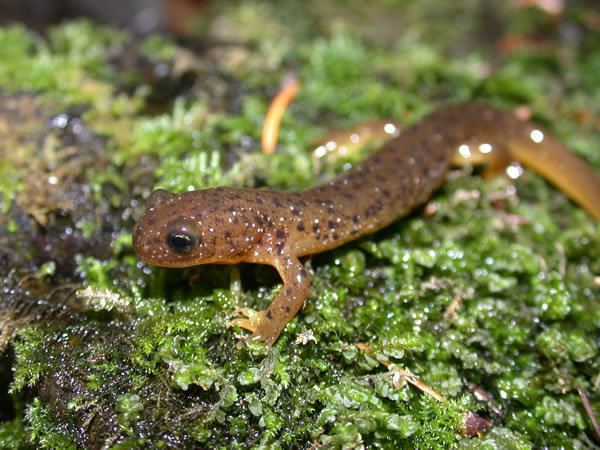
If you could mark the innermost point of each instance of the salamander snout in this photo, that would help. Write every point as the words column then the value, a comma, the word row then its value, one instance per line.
column 165, row 235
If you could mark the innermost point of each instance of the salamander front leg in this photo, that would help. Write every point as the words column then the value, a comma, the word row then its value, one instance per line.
column 288, row 302
column 266, row 325
column 250, row 319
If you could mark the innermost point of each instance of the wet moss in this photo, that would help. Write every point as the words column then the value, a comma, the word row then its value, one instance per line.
column 488, row 295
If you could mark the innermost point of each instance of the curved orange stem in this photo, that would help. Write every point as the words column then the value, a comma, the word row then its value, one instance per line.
column 273, row 118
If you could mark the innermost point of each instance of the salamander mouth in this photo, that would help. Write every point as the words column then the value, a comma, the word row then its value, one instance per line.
column 150, row 253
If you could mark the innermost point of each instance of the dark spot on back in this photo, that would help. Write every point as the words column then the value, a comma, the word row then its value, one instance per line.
column 279, row 247
column 259, row 220
column 373, row 209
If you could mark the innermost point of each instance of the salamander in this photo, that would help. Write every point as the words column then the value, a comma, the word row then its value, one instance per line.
column 228, row 225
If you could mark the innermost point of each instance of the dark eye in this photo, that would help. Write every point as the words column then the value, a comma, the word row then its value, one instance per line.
column 182, row 240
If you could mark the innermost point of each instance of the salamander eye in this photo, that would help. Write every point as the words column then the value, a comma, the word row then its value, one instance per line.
column 182, row 238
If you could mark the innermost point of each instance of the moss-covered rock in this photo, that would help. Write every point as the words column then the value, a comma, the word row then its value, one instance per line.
column 475, row 316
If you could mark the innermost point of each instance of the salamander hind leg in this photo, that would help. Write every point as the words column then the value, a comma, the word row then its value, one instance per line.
column 494, row 155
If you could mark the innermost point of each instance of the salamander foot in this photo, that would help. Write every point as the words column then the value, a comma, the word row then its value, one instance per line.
column 250, row 320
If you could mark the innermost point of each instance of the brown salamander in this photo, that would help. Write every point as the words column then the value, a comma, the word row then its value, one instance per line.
column 229, row 225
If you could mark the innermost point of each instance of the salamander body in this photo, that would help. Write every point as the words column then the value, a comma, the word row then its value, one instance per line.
column 229, row 225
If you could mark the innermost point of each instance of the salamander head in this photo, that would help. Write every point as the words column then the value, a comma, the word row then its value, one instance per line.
column 176, row 230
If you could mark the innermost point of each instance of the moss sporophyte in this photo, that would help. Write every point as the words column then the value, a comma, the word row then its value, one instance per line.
column 474, row 315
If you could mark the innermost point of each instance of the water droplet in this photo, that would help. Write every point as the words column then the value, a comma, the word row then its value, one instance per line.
column 536, row 136
column 485, row 148
column 464, row 151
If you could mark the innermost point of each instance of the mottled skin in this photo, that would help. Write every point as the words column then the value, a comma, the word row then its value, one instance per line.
column 230, row 225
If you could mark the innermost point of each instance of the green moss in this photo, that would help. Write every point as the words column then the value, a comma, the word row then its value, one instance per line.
column 158, row 48
column 498, row 438
column 44, row 430
column 574, row 345
column 12, row 435
column 129, row 408
column 10, row 184
column 26, row 350
column 158, row 361
column 170, row 134
column 67, row 67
